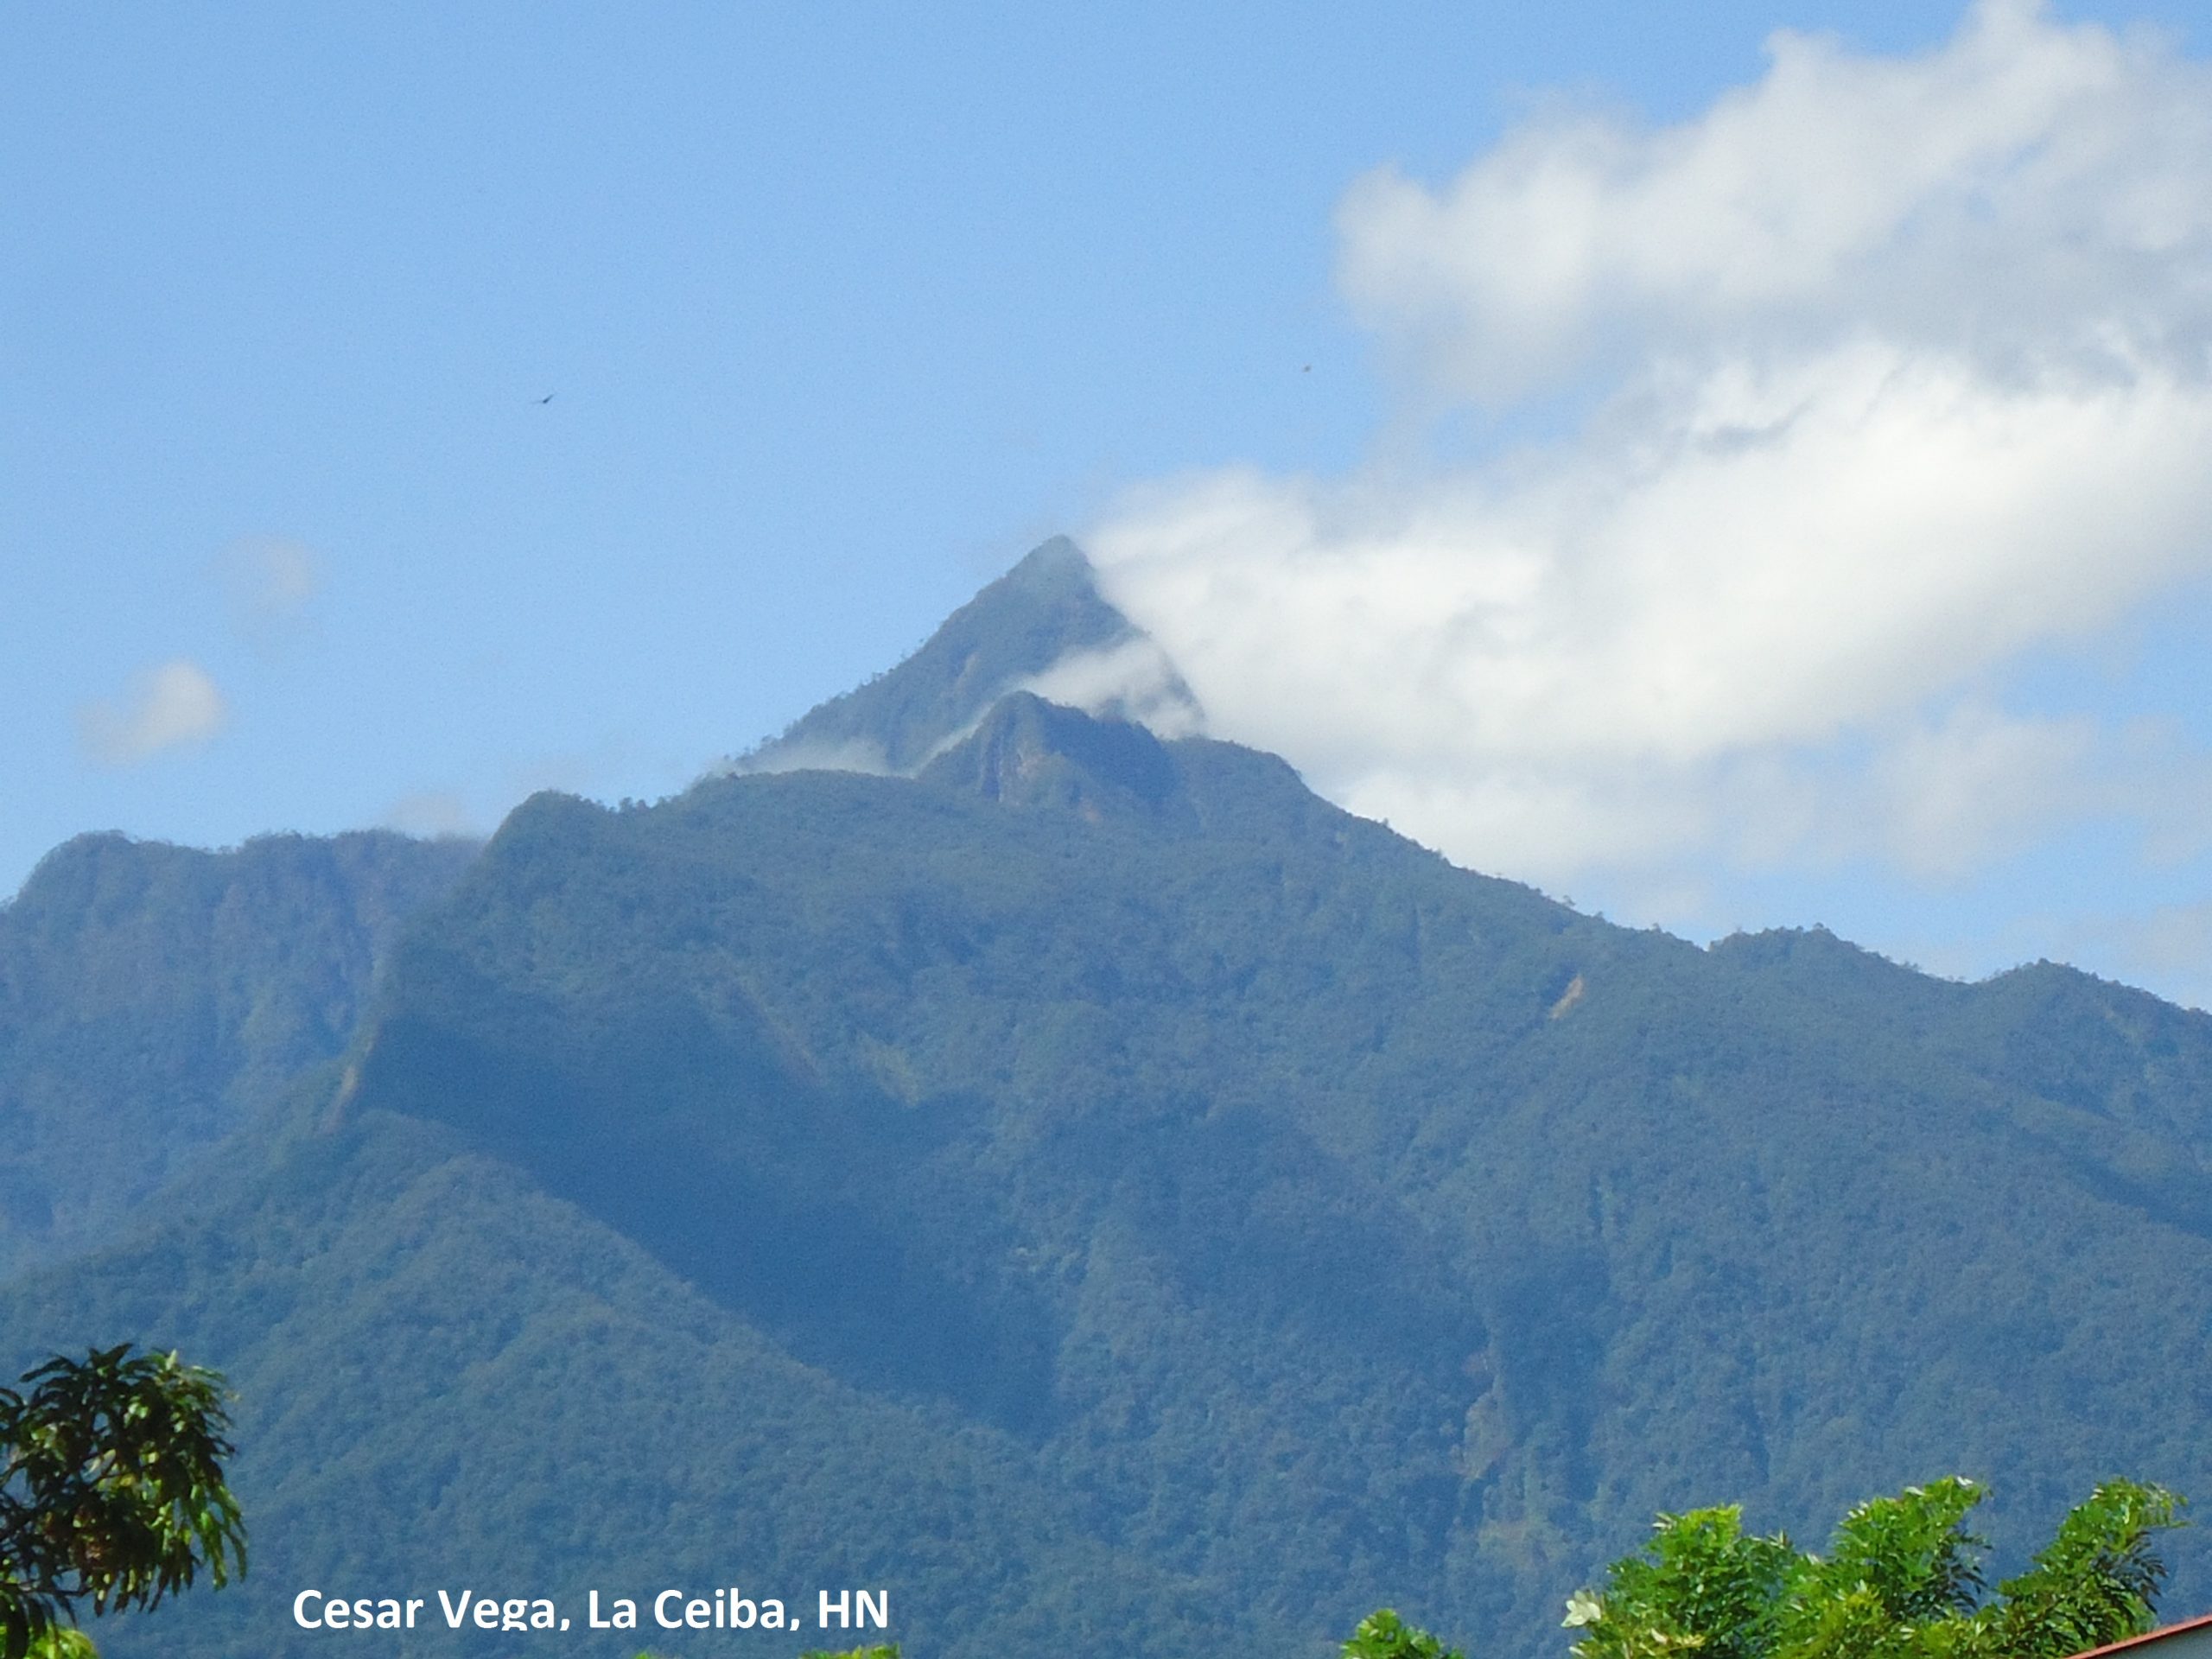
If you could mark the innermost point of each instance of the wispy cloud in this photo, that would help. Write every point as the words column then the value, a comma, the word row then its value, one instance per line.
column 433, row 813
column 1133, row 680
column 1901, row 368
column 172, row 706
column 270, row 584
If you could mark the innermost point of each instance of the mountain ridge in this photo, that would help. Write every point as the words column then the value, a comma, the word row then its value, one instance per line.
column 1089, row 1182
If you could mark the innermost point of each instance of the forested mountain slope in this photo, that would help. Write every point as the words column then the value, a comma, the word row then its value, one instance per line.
column 1349, row 1224
column 1114, row 1199
column 150, row 995
column 446, row 1379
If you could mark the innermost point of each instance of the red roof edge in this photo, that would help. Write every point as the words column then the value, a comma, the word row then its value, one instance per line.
column 2148, row 1635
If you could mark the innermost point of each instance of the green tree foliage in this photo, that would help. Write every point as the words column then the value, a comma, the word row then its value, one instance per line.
column 1702, row 1582
column 1902, row 1579
column 2096, row 1582
column 113, row 1492
column 1383, row 1635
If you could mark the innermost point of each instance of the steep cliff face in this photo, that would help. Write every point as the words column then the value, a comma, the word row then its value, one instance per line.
column 1029, row 752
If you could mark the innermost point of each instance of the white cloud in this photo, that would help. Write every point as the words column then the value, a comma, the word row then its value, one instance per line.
column 859, row 754
column 2025, row 188
column 172, row 706
column 1133, row 680
column 432, row 814
column 271, row 583
column 1905, row 370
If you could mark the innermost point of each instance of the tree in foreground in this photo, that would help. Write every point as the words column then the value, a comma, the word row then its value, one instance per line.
column 1383, row 1635
column 112, row 1494
column 1902, row 1579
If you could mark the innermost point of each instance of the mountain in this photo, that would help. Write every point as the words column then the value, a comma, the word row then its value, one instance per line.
column 1043, row 625
column 151, row 996
column 1086, row 1185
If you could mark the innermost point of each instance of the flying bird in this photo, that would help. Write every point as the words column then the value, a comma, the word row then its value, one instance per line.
column 547, row 398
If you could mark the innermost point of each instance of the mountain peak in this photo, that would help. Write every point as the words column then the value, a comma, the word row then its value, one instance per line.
column 1027, row 752
column 1043, row 626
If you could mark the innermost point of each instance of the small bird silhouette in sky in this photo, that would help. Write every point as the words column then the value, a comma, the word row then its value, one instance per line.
column 547, row 398
column 1308, row 369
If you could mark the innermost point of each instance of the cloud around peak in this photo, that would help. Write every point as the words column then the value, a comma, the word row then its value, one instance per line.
column 1900, row 371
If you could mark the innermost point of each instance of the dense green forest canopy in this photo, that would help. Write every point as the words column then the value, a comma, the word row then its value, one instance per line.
column 1090, row 1188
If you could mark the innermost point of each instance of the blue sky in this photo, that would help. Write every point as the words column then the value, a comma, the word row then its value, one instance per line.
column 840, row 308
